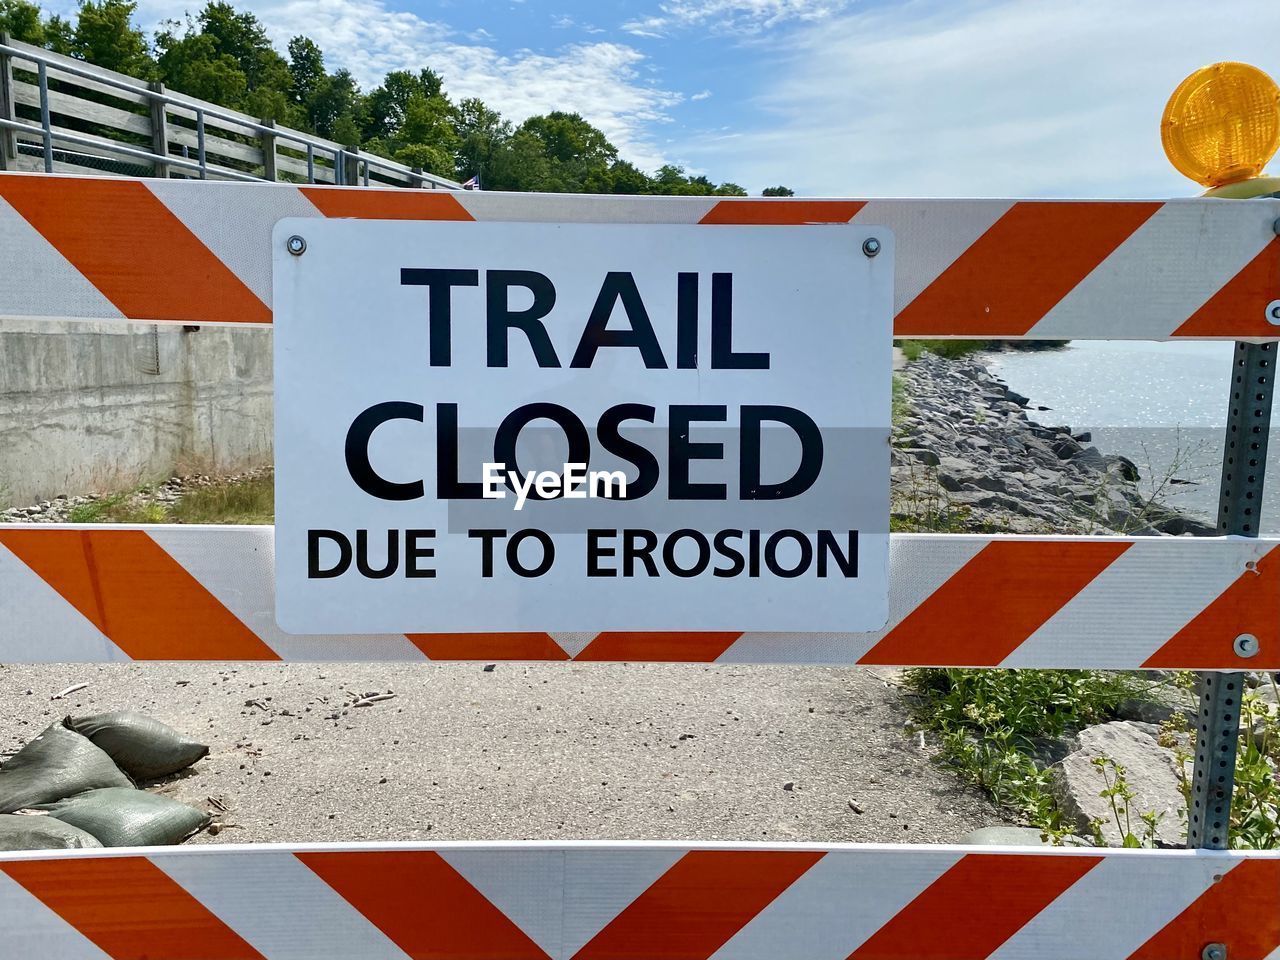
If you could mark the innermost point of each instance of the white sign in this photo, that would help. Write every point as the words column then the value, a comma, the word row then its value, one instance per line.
column 717, row 396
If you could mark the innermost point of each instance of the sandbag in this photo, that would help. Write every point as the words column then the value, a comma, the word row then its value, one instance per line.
column 56, row 764
column 120, row 817
column 142, row 747
column 41, row 833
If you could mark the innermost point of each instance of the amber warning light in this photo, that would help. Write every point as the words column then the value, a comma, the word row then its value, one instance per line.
column 1222, row 124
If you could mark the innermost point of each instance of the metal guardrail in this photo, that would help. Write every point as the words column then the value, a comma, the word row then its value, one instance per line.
column 57, row 94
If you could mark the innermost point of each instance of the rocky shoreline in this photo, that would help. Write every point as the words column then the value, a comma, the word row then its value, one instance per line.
column 968, row 456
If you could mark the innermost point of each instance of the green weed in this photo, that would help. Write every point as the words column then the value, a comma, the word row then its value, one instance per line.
column 992, row 723
column 238, row 501
column 246, row 501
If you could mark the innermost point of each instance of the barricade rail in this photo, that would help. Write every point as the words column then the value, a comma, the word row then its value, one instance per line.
column 206, row 593
column 636, row 901
column 103, row 249
column 177, row 251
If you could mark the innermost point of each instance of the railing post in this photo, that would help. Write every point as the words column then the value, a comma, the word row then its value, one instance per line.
column 46, row 125
column 351, row 157
column 269, row 153
column 200, row 154
column 1244, row 463
column 159, row 130
column 8, row 111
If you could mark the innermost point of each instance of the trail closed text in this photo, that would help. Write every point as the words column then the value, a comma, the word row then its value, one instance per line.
column 575, row 427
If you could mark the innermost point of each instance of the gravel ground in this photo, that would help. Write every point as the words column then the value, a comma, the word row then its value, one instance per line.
column 590, row 751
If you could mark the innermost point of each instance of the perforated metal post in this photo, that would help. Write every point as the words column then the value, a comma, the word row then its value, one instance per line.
column 1244, row 462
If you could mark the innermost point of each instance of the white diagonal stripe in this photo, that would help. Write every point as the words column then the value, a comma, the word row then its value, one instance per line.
column 278, row 905
column 38, row 626
column 837, row 905
column 237, row 565
column 29, row 929
column 930, row 236
column 38, row 281
column 1164, row 272
column 1114, row 908
column 243, row 241
column 1155, row 588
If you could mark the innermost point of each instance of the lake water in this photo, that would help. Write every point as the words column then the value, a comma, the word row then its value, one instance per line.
column 1162, row 405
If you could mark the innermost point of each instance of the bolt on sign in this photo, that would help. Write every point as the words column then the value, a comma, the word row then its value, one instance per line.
column 571, row 427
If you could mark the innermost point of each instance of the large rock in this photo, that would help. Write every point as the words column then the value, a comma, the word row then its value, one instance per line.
column 1159, row 704
column 1152, row 774
column 1007, row 836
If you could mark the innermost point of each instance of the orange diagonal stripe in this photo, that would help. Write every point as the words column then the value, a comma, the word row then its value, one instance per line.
column 367, row 203
column 145, row 602
column 670, row 647
column 133, row 249
column 1240, row 911
column 488, row 646
column 129, row 908
column 994, row 602
column 1247, row 606
column 1020, row 268
column 423, row 905
column 1239, row 308
column 697, row 905
column 783, row 212
column 996, row 894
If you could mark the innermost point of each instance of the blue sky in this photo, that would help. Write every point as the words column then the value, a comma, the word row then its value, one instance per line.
column 832, row 97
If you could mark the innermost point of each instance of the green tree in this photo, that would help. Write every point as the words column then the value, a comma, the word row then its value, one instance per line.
column 190, row 63
column 226, row 57
column 336, row 107
column 21, row 20
column 59, row 34
column 520, row 163
column 242, row 37
column 105, row 35
column 628, row 178
column 578, row 156
column 777, row 192
column 388, row 104
column 429, row 158
column 481, row 134
column 346, row 130
column 306, row 69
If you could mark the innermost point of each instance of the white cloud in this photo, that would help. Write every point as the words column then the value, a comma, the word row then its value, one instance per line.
column 600, row 80
column 703, row 95
column 1003, row 98
column 748, row 16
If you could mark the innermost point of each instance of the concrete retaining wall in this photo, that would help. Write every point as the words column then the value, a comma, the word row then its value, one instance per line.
column 95, row 408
